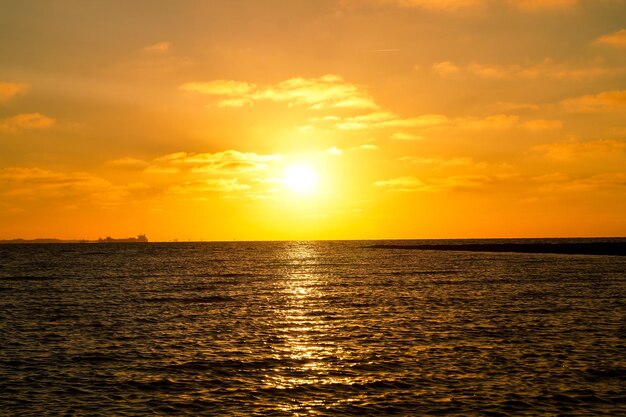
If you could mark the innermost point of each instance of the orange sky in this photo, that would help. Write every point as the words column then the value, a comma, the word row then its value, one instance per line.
column 412, row 119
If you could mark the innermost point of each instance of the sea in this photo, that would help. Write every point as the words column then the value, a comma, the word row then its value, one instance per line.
column 308, row 328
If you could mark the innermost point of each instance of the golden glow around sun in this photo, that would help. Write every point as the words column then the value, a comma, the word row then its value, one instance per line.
column 301, row 179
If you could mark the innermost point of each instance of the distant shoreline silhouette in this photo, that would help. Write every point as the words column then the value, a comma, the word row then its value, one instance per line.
column 139, row 239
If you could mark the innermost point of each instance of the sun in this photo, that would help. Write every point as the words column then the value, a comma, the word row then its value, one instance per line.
column 301, row 179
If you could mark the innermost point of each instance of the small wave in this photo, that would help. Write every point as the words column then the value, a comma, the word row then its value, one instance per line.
column 192, row 300
column 93, row 357
column 607, row 373
column 27, row 278
column 225, row 275
column 156, row 385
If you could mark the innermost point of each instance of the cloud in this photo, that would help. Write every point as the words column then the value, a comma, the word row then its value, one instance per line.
column 10, row 90
column 326, row 92
column 222, row 185
column 220, row 87
column 576, row 149
column 543, row 125
column 449, row 5
column 400, row 184
column 127, row 163
column 349, row 107
column 158, row 48
column 547, row 68
column 37, row 185
column 232, row 173
column 513, row 106
column 389, row 120
column 615, row 39
column 455, row 182
column 155, row 61
column 506, row 121
column 334, row 151
column 365, row 147
column 498, row 121
column 226, row 162
column 460, row 168
column 323, row 92
column 600, row 181
column 406, row 136
column 193, row 175
column 446, row 68
column 459, row 161
column 459, row 5
column 28, row 121
column 385, row 119
column 235, row 102
column 607, row 100
column 559, row 182
column 537, row 5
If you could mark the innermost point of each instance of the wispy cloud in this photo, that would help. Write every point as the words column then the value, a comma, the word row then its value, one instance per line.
column 128, row 163
column 229, row 161
column 38, row 185
column 442, row 162
column 446, row 68
column 10, row 90
column 506, row 121
column 537, row 5
column 543, row 124
column 193, row 176
column 221, row 185
column 460, row 5
column 432, row 4
column 615, row 39
column 334, row 151
column 328, row 91
column 401, row 184
column 231, row 173
column 384, row 119
column 158, row 48
column 498, row 121
column 607, row 100
column 576, row 149
column 27, row 121
column 220, row 88
column 609, row 180
column 365, row 147
column 406, row 136
column 423, row 123
column 455, row 182
column 559, row 182
column 546, row 69
column 349, row 107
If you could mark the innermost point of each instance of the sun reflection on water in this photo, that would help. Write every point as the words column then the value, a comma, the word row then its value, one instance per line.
column 309, row 349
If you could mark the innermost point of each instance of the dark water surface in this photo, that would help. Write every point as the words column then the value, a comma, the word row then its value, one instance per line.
column 308, row 328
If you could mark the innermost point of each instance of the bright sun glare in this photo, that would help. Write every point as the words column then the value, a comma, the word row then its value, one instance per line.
column 301, row 179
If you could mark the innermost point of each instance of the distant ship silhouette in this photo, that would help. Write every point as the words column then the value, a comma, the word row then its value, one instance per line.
column 109, row 239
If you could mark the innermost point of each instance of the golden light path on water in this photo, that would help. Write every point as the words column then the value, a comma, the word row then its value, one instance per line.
column 311, row 334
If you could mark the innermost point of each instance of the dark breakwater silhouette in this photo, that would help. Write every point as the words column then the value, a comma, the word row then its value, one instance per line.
column 584, row 248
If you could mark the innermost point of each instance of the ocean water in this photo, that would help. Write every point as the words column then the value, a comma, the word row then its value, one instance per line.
column 308, row 328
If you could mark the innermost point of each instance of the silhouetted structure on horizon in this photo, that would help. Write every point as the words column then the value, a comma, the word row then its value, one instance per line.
column 139, row 239
column 109, row 239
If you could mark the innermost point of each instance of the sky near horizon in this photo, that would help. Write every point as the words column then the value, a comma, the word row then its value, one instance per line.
column 329, row 119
